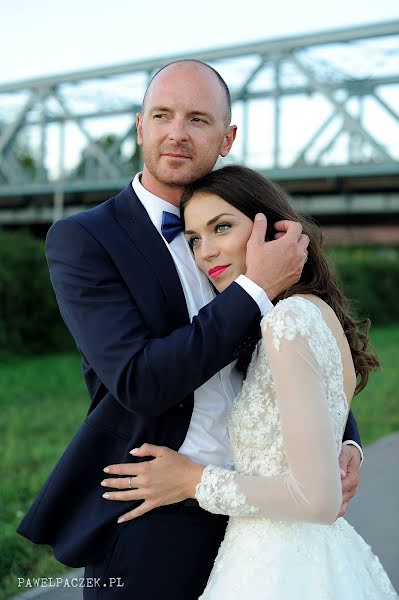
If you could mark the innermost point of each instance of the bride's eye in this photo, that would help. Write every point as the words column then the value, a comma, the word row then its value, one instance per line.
column 222, row 227
column 193, row 241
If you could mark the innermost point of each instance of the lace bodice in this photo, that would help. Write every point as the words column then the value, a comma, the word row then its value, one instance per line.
column 286, row 424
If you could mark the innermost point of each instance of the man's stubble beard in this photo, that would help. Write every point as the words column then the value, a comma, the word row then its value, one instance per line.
column 179, row 179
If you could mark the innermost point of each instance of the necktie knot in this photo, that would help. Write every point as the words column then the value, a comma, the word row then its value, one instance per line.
column 171, row 226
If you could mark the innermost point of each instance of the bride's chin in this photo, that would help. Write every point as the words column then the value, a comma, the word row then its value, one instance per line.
column 222, row 286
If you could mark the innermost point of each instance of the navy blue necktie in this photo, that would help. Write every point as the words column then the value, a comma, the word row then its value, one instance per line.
column 171, row 226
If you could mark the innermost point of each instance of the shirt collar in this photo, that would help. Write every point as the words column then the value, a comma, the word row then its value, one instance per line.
column 153, row 204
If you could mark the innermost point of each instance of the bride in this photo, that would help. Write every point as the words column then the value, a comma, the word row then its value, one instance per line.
column 283, row 540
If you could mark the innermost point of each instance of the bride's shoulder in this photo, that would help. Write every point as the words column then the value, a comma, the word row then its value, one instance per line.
column 293, row 316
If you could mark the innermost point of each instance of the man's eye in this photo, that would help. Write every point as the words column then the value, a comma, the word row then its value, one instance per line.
column 222, row 227
column 159, row 115
column 198, row 120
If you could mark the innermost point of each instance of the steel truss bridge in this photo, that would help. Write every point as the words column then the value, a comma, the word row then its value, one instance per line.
column 317, row 112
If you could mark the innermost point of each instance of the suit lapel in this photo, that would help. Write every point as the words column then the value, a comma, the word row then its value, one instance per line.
column 134, row 219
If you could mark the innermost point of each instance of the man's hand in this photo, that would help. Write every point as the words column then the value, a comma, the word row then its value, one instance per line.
column 349, row 462
column 275, row 266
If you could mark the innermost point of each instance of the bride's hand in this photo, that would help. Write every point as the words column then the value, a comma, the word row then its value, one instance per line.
column 170, row 477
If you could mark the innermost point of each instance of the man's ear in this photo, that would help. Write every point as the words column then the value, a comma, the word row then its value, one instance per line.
column 139, row 128
column 228, row 140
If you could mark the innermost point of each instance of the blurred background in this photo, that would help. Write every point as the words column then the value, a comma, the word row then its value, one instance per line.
column 315, row 89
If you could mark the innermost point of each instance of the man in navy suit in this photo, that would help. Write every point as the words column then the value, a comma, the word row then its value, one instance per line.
column 158, row 350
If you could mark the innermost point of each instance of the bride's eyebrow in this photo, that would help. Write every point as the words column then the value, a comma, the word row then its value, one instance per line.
column 211, row 222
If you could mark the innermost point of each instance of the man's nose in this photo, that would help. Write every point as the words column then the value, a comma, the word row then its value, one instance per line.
column 178, row 130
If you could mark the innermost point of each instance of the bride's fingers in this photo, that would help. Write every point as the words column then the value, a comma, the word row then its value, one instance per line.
column 125, row 469
column 139, row 511
column 148, row 450
column 126, row 495
column 122, row 483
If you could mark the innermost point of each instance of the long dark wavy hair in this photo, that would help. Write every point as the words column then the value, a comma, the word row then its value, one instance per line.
column 251, row 193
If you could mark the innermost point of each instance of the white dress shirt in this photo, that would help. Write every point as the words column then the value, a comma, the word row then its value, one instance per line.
column 206, row 441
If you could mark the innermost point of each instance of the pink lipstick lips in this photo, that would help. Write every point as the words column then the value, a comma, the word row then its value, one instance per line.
column 216, row 271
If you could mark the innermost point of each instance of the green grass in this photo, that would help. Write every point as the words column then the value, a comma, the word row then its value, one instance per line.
column 377, row 408
column 42, row 402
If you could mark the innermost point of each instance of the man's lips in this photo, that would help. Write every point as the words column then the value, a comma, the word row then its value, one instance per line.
column 216, row 271
column 175, row 155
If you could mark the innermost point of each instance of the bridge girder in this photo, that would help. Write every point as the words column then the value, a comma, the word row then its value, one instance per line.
column 49, row 114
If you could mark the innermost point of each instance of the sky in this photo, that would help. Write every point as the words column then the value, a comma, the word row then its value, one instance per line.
column 42, row 37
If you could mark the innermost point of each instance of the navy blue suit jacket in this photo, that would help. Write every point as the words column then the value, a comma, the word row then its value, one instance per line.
column 120, row 295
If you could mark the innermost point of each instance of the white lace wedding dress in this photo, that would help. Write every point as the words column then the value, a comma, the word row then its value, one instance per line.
column 286, row 425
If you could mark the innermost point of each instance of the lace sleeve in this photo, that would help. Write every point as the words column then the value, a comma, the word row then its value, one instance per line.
column 218, row 493
column 311, row 489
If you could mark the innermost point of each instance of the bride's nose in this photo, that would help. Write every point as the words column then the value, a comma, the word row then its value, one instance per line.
column 208, row 249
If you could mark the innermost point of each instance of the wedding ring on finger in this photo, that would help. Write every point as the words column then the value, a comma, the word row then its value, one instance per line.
column 306, row 256
column 130, row 483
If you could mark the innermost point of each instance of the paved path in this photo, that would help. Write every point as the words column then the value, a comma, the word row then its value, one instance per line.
column 374, row 513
